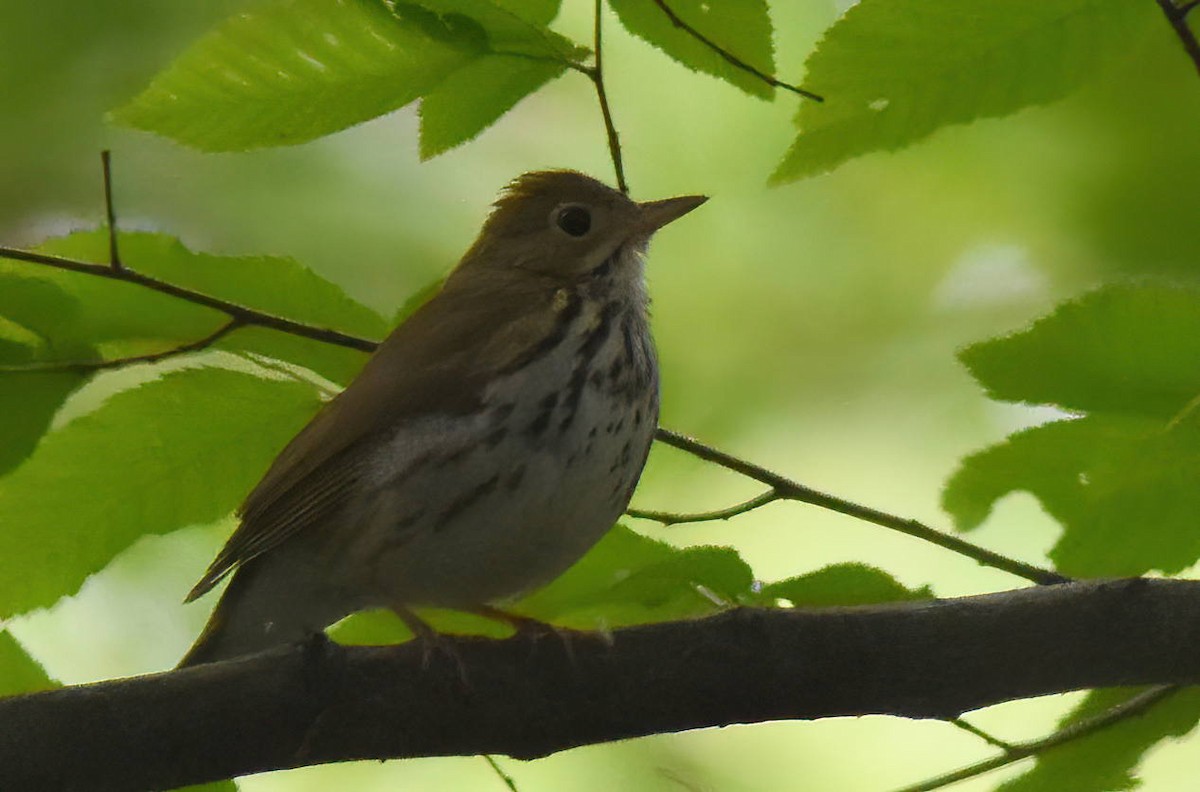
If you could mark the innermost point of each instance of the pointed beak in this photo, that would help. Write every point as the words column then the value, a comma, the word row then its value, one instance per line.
column 656, row 214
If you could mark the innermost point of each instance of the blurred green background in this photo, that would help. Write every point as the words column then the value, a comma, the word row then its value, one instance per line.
column 810, row 327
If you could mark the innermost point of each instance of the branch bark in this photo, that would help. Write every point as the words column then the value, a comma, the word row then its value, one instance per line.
column 528, row 698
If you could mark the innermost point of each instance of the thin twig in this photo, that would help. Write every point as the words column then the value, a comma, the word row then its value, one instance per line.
column 110, row 216
column 990, row 739
column 676, row 518
column 152, row 357
column 1177, row 16
column 504, row 777
column 788, row 489
column 1015, row 753
column 1185, row 8
column 245, row 315
column 596, row 74
column 730, row 57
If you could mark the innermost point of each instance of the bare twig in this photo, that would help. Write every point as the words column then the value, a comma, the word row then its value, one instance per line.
column 110, row 216
column 247, row 316
column 676, row 518
column 152, row 357
column 1177, row 16
column 596, row 75
column 970, row 728
column 788, row 489
column 1015, row 753
column 732, row 59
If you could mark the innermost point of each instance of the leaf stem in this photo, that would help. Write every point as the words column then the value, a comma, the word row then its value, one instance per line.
column 970, row 728
column 788, row 489
column 732, row 59
column 676, row 518
column 1015, row 753
column 504, row 777
column 596, row 74
column 110, row 216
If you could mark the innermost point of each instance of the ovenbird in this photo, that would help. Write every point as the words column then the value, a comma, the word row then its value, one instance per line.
column 488, row 443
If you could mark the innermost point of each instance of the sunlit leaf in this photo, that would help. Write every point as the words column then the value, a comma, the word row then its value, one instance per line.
column 293, row 70
column 470, row 100
column 741, row 28
column 1123, row 348
column 843, row 584
column 1107, row 760
column 894, row 71
column 176, row 450
column 1123, row 487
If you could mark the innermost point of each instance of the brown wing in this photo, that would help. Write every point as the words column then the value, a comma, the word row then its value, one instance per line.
column 437, row 362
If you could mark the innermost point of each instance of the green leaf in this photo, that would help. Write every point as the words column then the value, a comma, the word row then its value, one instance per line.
column 630, row 579
column 894, row 71
column 33, row 313
column 1123, row 487
column 740, row 27
column 182, row 447
column 19, row 673
column 215, row 786
column 474, row 97
column 507, row 28
column 294, row 70
column 1123, row 348
column 843, row 584
column 272, row 284
column 539, row 12
column 1107, row 759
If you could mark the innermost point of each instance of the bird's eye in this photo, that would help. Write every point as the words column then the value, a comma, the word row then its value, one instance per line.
column 574, row 220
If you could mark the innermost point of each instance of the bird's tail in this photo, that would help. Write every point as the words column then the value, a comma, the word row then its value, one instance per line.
column 259, row 610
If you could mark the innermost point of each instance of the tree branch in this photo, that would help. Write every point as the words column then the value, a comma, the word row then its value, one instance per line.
column 324, row 703
column 732, row 59
column 786, row 489
column 1177, row 16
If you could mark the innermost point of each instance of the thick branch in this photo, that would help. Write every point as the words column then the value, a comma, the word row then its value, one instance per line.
column 528, row 698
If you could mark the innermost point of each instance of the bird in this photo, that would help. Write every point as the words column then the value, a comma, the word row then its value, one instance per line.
column 487, row 444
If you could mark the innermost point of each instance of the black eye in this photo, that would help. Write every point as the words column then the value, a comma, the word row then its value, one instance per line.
column 574, row 220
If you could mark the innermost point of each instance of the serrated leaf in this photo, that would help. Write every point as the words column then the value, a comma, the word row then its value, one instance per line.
column 1123, row 487
column 507, row 29
column 294, row 70
column 740, row 27
column 181, row 449
column 1123, row 348
column 474, row 97
column 843, row 584
column 19, row 673
column 539, row 12
column 630, row 579
column 1107, row 759
column 894, row 71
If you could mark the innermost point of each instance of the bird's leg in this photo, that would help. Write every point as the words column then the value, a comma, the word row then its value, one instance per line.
column 430, row 639
column 536, row 628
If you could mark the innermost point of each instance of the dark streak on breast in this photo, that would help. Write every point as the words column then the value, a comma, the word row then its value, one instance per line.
column 464, row 502
column 562, row 325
